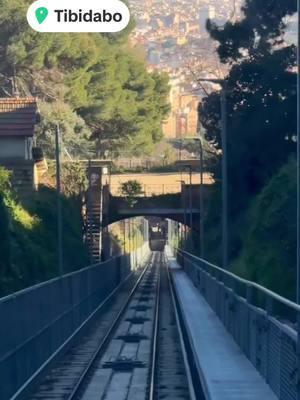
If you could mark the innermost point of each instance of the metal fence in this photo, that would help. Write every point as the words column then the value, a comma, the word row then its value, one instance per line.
column 262, row 323
column 37, row 321
column 150, row 189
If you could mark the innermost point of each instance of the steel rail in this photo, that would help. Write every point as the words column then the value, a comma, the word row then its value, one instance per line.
column 155, row 349
column 108, row 335
column 180, row 332
column 20, row 392
column 155, row 338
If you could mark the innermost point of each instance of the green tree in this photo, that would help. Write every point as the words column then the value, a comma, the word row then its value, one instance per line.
column 90, row 76
column 261, row 94
column 131, row 190
column 75, row 135
column 257, row 34
column 127, row 106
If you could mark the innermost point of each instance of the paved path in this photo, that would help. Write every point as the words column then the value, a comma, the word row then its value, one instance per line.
column 225, row 371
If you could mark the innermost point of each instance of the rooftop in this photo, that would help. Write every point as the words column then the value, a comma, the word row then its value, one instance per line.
column 18, row 115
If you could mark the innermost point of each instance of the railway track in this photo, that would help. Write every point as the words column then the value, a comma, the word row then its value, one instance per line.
column 139, row 354
column 171, row 376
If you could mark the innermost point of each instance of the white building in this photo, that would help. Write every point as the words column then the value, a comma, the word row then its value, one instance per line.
column 206, row 13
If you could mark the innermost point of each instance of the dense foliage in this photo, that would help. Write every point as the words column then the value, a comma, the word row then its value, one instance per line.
column 28, row 237
column 92, row 84
column 261, row 94
column 262, row 98
column 269, row 250
column 130, row 190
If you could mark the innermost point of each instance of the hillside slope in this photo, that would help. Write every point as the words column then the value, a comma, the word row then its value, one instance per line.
column 28, row 238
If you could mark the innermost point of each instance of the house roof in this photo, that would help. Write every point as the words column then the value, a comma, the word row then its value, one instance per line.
column 18, row 115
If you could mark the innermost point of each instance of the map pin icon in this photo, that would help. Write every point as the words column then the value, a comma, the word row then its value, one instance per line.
column 41, row 14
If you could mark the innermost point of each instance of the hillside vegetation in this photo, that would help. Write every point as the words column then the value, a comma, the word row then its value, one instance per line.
column 28, row 237
column 269, row 241
column 93, row 85
column 262, row 129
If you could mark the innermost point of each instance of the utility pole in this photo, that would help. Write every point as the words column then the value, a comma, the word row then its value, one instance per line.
column 59, row 207
column 201, row 201
column 224, row 178
column 223, row 85
column 298, row 162
column 201, row 227
column 137, row 240
column 129, row 236
column 191, row 200
column 124, row 236
column 184, row 215
column 298, row 197
column 101, row 215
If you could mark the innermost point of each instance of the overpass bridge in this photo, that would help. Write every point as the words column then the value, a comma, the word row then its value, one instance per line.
column 149, row 326
column 103, row 209
column 182, row 207
column 176, row 214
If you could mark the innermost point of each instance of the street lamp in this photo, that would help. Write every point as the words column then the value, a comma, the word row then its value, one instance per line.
column 190, row 196
column 184, row 210
column 103, row 172
column 222, row 83
column 201, row 226
column 298, row 189
column 59, row 205
column 298, row 165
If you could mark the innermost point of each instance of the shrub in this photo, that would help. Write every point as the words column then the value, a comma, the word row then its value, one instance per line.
column 131, row 190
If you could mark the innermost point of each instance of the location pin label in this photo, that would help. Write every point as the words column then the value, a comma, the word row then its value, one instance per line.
column 41, row 14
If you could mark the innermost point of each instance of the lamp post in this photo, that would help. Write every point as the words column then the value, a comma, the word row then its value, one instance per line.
column 201, row 202
column 298, row 163
column 298, row 196
column 184, row 210
column 222, row 83
column 124, row 236
column 191, row 199
column 59, row 206
column 201, row 227
column 100, row 244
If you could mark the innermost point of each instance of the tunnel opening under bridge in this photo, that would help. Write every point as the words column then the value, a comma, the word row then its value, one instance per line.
column 155, row 231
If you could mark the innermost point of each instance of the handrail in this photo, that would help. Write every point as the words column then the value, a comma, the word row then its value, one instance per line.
column 250, row 284
column 58, row 278
column 52, row 280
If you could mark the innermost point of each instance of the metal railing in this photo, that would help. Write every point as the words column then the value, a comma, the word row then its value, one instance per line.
column 262, row 323
column 150, row 190
column 37, row 322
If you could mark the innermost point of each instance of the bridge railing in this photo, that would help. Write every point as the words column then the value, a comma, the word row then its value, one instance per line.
column 150, row 190
column 262, row 323
column 38, row 322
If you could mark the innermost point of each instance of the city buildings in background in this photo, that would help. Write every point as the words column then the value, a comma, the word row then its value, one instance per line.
column 292, row 29
column 183, row 117
column 174, row 36
column 175, row 40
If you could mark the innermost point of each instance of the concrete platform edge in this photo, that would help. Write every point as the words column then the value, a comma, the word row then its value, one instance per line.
column 200, row 372
column 211, row 391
